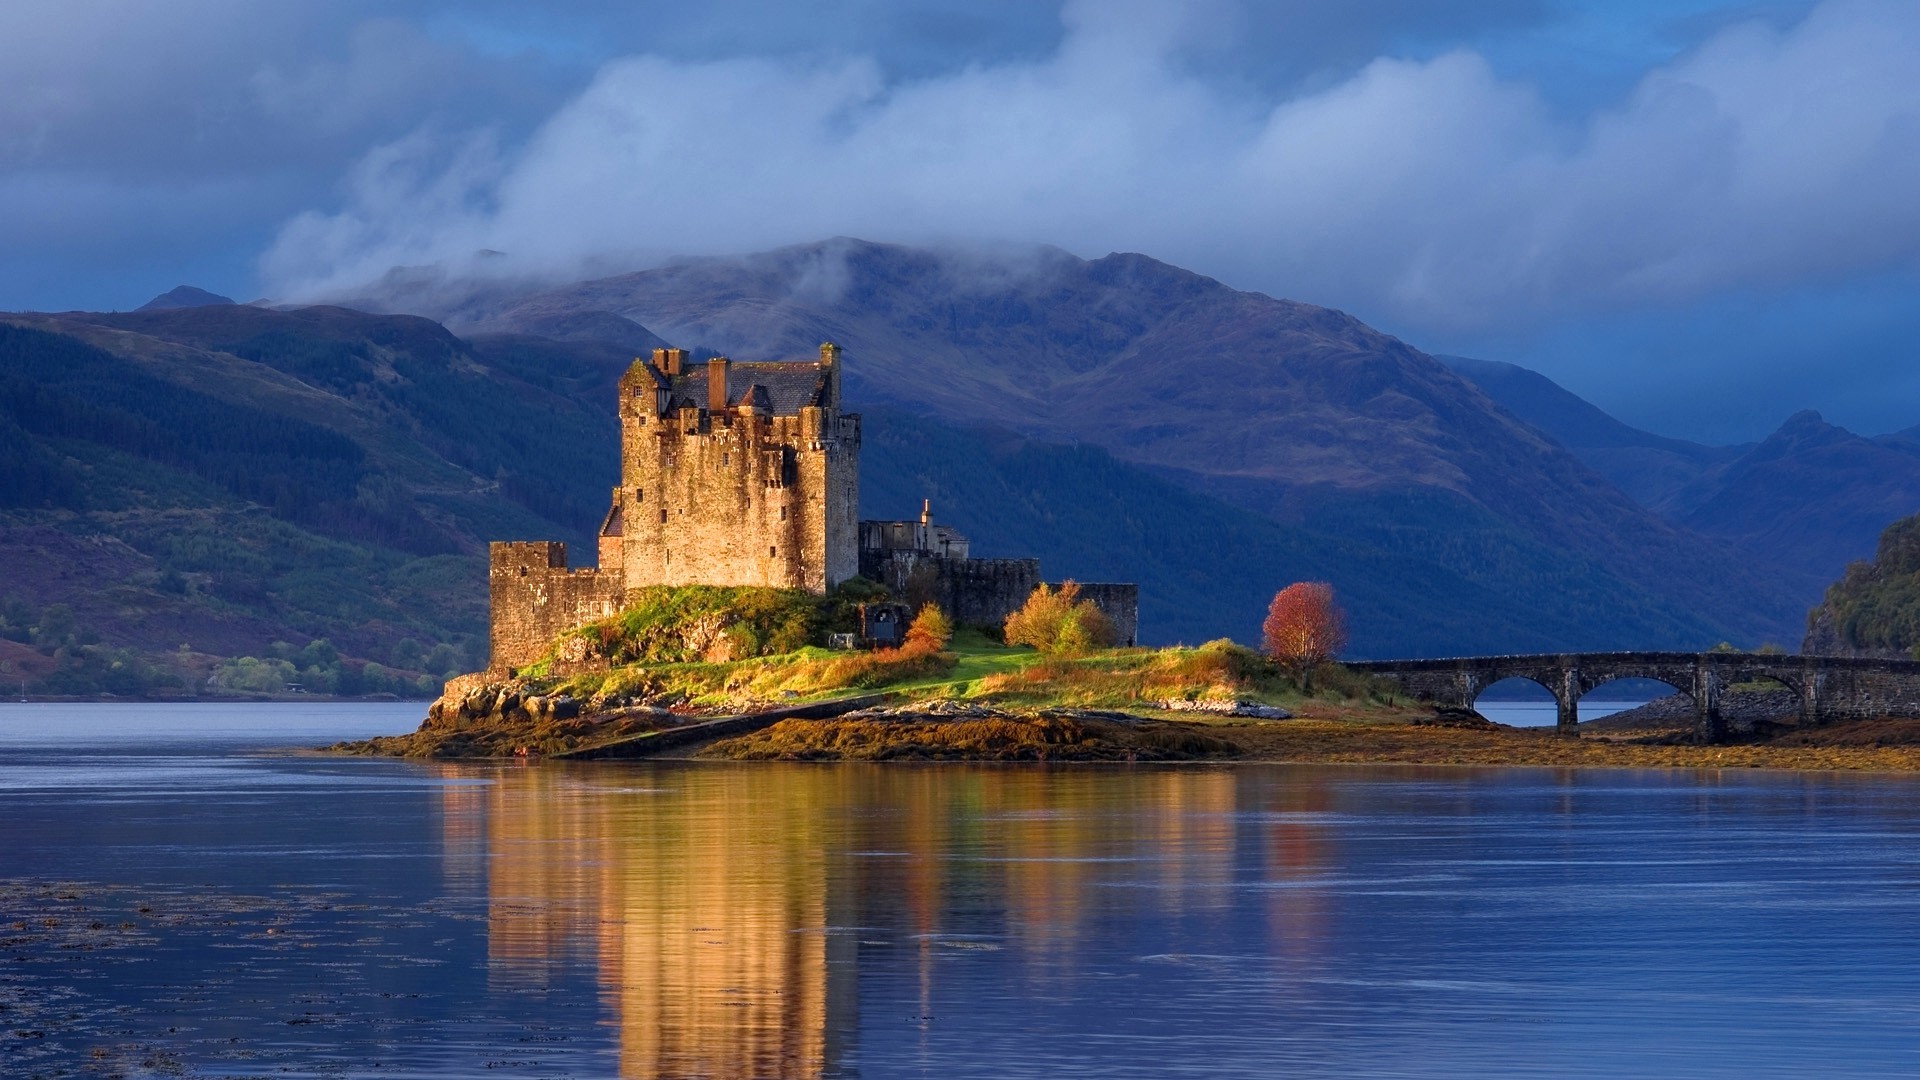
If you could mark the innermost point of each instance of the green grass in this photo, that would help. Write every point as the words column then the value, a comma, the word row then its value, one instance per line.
column 974, row 669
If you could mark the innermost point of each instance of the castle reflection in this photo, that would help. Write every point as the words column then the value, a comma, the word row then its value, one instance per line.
column 724, row 909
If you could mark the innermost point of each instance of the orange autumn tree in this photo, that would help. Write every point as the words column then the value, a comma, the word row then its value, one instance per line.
column 1305, row 627
column 1057, row 621
column 930, row 632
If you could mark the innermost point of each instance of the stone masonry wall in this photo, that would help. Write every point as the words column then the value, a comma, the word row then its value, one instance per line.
column 738, row 497
column 983, row 592
column 535, row 598
column 974, row 592
column 1120, row 603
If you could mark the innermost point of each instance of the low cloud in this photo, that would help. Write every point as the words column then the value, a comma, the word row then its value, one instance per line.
column 1432, row 193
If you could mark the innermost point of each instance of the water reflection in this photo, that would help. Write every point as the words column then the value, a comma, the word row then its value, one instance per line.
column 725, row 908
column 771, row 920
column 378, row 918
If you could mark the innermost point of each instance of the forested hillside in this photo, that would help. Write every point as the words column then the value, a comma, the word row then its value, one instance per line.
column 1875, row 607
column 226, row 498
column 184, row 487
column 1300, row 414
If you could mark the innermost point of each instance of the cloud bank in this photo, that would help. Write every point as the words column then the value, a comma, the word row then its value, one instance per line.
column 1432, row 192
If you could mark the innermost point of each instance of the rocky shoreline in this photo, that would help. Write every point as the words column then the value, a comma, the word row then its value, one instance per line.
column 478, row 719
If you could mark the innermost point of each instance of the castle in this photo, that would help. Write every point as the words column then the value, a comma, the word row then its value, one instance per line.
column 748, row 474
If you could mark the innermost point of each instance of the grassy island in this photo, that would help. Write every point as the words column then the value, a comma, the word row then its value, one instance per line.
column 732, row 673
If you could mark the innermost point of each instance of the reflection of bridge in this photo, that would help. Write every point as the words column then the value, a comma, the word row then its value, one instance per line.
column 1829, row 687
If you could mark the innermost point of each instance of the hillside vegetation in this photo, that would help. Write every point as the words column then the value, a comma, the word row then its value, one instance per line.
column 183, row 488
column 254, row 482
column 1875, row 607
column 1300, row 414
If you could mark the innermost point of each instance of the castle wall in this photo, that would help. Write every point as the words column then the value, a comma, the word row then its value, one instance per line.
column 536, row 597
column 748, row 474
column 983, row 592
column 973, row 592
column 737, row 497
column 842, row 508
column 1120, row 603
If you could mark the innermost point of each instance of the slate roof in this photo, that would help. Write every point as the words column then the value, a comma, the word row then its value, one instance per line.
column 789, row 386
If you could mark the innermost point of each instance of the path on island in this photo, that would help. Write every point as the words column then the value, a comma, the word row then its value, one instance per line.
column 651, row 743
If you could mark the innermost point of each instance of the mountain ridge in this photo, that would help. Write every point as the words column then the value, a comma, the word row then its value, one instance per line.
column 1263, row 401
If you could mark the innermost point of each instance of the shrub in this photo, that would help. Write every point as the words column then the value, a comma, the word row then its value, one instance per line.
column 1057, row 621
column 678, row 624
column 930, row 632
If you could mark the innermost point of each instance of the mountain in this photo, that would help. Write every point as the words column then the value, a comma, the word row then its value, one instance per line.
column 193, row 484
column 1206, row 568
column 1811, row 496
column 1805, row 502
column 183, row 296
column 1298, row 413
column 226, row 477
column 1650, row 468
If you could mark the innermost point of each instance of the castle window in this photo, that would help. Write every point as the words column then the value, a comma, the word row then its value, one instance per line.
column 773, row 553
column 663, row 515
column 638, row 495
column 783, row 513
column 724, row 456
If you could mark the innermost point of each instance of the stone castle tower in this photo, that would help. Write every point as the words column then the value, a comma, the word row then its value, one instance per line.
column 731, row 474
column 735, row 474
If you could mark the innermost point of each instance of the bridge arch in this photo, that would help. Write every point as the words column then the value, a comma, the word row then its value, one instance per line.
column 1510, row 689
column 1596, row 691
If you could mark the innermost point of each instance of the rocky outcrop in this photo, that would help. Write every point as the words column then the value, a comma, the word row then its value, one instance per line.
column 1221, row 707
column 477, row 700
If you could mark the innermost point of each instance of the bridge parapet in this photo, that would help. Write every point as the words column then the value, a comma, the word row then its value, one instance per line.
column 1830, row 688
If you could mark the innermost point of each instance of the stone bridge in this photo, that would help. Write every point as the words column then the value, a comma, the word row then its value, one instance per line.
column 1829, row 688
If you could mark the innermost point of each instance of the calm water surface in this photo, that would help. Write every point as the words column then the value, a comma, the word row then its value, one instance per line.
column 179, row 894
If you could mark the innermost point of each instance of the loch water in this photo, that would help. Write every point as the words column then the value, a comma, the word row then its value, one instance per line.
column 183, row 894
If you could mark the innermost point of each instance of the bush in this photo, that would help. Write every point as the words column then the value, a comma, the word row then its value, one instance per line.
column 930, row 632
column 679, row 624
column 1058, row 622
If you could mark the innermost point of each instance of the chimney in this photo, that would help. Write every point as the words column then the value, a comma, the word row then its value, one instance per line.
column 926, row 511
column 830, row 367
column 676, row 361
column 660, row 361
column 717, row 384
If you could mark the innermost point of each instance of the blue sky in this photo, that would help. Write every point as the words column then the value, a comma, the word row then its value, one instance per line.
column 1697, row 214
